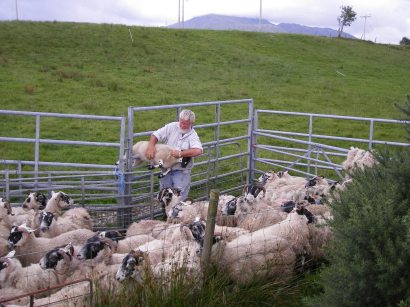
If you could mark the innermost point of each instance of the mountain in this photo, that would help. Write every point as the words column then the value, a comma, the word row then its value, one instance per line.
column 300, row 29
column 222, row 22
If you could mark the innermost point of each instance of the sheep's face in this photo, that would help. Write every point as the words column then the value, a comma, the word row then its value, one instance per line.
column 198, row 232
column 253, row 190
column 51, row 259
column 283, row 174
column 5, row 205
column 288, row 206
column 166, row 195
column 176, row 211
column 111, row 234
column 17, row 237
column 45, row 219
column 314, row 181
column 265, row 177
column 230, row 207
column 129, row 267
column 61, row 199
column 35, row 201
column 95, row 247
column 4, row 268
column 301, row 210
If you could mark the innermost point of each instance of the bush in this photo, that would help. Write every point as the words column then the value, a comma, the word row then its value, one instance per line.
column 371, row 251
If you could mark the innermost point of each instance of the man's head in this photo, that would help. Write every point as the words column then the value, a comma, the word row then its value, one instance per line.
column 186, row 120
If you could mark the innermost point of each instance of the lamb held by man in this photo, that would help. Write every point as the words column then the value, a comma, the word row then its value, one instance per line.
column 162, row 158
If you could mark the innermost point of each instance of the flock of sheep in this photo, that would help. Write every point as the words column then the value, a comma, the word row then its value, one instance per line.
column 278, row 224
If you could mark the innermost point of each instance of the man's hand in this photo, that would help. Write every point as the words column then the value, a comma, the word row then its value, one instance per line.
column 150, row 153
column 176, row 153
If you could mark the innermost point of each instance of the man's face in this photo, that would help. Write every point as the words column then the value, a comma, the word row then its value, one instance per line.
column 184, row 125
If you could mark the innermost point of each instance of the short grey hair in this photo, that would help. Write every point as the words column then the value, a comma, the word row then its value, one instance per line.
column 187, row 115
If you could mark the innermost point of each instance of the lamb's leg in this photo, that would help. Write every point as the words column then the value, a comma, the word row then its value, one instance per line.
column 162, row 174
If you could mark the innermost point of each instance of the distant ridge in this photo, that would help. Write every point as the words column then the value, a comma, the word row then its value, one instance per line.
column 222, row 22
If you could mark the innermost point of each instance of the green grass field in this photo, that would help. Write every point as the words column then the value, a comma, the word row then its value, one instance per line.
column 98, row 70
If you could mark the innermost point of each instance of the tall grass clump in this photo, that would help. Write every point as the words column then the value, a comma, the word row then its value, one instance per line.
column 213, row 290
column 370, row 254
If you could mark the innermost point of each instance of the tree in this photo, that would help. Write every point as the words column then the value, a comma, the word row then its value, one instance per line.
column 405, row 41
column 346, row 18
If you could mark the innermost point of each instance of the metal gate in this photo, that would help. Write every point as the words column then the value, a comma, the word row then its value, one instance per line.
column 306, row 148
column 239, row 143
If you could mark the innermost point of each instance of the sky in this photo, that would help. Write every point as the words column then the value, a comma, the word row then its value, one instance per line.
column 388, row 21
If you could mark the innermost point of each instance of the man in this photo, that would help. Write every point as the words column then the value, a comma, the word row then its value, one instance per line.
column 184, row 138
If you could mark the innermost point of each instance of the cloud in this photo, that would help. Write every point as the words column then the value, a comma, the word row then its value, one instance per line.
column 388, row 23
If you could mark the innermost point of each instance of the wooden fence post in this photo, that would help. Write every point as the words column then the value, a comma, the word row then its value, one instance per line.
column 209, row 230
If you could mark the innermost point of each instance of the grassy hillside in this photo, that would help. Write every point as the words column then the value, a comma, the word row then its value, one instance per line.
column 96, row 69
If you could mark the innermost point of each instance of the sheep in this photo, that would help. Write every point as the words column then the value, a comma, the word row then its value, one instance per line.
column 75, row 295
column 51, row 225
column 7, row 295
column 145, row 227
column 29, row 249
column 35, row 201
column 133, row 266
column 162, row 157
column 255, row 255
column 5, row 224
column 251, row 191
column 358, row 158
column 167, row 198
column 127, row 244
column 58, row 202
column 320, row 231
column 29, row 279
column 180, row 263
column 156, row 250
column 165, row 265
column 229, row 233
column 257, row 215
column 93, row 261
column 17, row 216
column 186, row 212
column 268, row 251
column 174, row 233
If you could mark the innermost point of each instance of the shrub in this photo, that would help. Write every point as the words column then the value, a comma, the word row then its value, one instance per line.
column 371, row 251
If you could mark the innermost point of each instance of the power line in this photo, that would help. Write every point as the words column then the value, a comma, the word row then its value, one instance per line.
column 364, row 29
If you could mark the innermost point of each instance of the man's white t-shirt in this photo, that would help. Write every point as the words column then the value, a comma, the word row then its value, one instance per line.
column 171, row 135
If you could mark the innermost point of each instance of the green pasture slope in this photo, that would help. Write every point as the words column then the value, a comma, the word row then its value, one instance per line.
column 97, row 69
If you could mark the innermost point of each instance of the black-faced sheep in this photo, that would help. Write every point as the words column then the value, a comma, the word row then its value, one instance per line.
column 125, row 245
column 58, row 202
column 28, row 279
column 35, row 201
column 29, row 249
column 51, row 225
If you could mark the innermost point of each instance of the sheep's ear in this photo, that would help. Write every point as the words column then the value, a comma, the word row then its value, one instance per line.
column 24, row 228
column 10, row 254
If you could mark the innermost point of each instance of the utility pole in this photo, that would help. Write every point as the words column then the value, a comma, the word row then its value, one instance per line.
column 17, row 11
column 183, row 13
column 179, row 11
column 260, row 15
column 364, row 29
